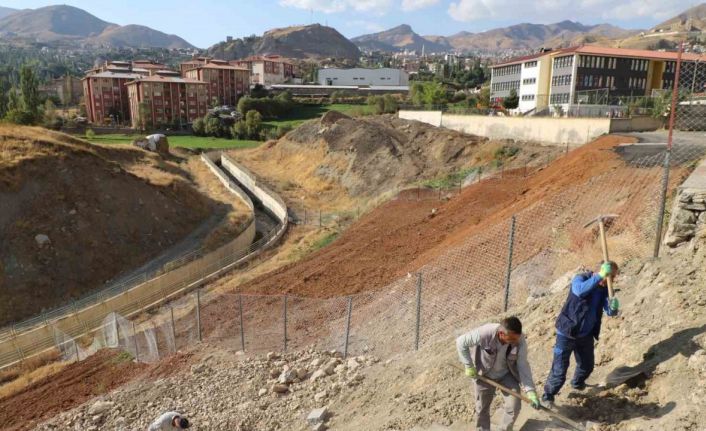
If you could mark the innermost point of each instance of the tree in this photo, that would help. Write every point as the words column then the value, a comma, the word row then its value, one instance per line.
column 199, row 127
column 484, row 99
column 258, row 92
column 512, row 101
column 253, row 123
column 30, row 92
column 144, row 116
column 52, row 120
column 213, row 127
column 3, row 97
column 390, row 104
column 428, row 93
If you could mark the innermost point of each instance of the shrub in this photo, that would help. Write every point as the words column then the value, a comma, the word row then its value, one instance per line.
column 199, row 127
column 90, row 134
column 253, row 123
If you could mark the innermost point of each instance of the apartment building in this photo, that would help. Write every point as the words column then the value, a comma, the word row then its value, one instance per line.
column 267, row 70
column 226, row 82
column 166, row 100
column 359, row 76
column 105, row 94
column 565, row 78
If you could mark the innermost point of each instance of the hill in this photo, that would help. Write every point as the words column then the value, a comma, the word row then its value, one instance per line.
column 7, row 11
column 400, row 38
column 520, row 36
column 70, row 24
column 666, row 35
column 302, row 42
column 533, row 36
column 75, row 215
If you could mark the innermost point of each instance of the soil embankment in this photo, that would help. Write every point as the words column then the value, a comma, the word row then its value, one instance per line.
column 76, row 215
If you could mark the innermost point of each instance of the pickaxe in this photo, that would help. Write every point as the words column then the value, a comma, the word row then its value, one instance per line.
column 601, row 225
column 589, row 426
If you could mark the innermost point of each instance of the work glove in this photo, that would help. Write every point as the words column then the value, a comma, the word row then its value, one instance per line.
column 534, row 401
column 472, row 372
column 606, row 270
column 614, row 304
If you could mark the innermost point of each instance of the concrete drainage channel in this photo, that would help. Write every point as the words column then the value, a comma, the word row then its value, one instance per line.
column 86, row 316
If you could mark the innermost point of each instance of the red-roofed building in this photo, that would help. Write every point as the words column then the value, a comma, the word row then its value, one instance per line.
column 585, row 74
column 226, row 82
column 166, row 100
column 267, row 70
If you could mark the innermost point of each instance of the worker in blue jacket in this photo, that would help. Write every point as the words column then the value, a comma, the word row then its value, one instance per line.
column 578, row 324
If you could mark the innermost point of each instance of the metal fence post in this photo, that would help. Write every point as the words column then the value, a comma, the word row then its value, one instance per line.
column 419, row 191
column 198, row 313
column 419, row 311
column 171, row 315
column 117, row 333
column 320, row 224
column 304, row 216
column 78, row 358
column 348, row 326
column 285, row 322
column 511, row 246
column 668, row 155
column 480, row 173
column 242, row 329
column 134, row 339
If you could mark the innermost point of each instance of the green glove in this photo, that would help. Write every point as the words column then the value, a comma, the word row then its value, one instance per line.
column 606, row 270
column 532, row 395
column 614, row 304
column 472, row 372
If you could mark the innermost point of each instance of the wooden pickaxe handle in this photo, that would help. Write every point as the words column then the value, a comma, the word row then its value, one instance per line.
column 604, row 244
column 522, row 397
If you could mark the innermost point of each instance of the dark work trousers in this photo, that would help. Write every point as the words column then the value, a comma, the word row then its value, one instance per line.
column 582, row 348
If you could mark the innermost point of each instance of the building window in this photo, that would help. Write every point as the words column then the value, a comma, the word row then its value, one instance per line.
column 527, row 97
column 530, row 64
column 561, row 62
column 529, row 81
column 559, row 98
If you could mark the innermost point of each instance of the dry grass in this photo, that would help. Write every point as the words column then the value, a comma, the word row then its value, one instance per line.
column 26, row 379
column 292, row 172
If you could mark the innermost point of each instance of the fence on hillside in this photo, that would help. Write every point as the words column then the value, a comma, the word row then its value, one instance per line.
column 479, row 276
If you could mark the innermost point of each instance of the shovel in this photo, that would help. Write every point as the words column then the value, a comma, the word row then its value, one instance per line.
column 604, row 244
column 588, row 426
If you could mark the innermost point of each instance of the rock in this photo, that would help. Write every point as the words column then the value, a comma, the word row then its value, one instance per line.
column 318, row 374
column 301, row 373
column 316, row 363
column 278, row 388
column 288, row 376
column 682, row 227
column 198, row 368
column 275, row 373
column 317, row 416
column 352, row 364
column 100, row 407
column 271, row 356
column 697, row 361
column 42, row 240
column 320, row 396
column 321, row 426
column 340, row 369
column 262, row 392
column 156, row 143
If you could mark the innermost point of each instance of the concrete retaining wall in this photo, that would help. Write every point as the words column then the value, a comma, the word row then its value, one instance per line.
column 545, row 130
column 169, row 285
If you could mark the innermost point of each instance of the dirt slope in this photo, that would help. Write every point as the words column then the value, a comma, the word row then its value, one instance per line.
column 337, row 161
column 104, row 211
column 400, row 236
column 420, row 391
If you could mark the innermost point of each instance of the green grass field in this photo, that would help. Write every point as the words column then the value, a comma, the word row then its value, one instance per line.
column 299, row 115
column 303, row 113
column 178, row 141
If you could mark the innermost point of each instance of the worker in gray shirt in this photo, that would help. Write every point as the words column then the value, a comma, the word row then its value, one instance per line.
column 169, row 421
column 497, row 352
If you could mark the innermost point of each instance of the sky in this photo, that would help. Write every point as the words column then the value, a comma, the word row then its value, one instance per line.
column 206, row 22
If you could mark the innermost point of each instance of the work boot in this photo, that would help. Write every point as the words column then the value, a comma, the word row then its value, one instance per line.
column 578, row 386
column 548, row 401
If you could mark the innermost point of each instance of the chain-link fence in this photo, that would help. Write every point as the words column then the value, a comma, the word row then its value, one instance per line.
column 498, row 266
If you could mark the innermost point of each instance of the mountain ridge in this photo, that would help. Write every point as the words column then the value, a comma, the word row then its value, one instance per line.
column 68, row 24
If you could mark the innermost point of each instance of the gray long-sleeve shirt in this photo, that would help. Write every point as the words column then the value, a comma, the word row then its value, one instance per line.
column 164, row 422
column 492, row 351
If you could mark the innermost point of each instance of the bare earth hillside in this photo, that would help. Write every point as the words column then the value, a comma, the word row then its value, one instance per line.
column 76, row 215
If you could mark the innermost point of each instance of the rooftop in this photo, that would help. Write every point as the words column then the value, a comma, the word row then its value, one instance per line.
column 607, row 51
column 166, row 79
